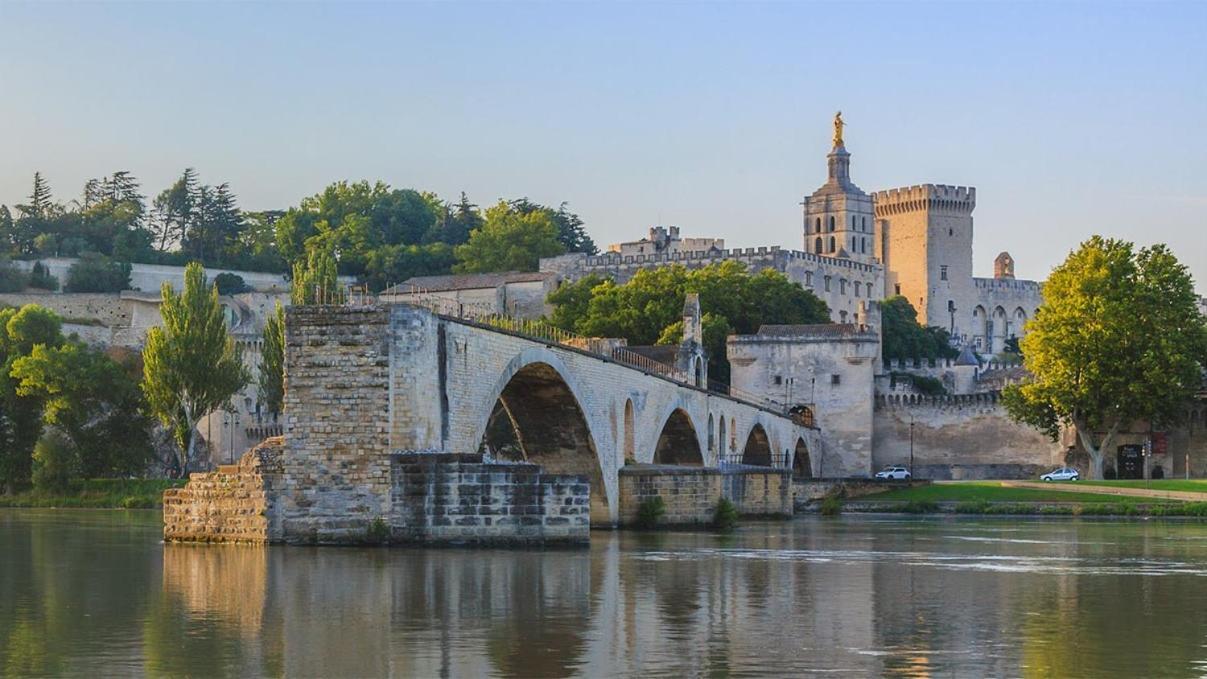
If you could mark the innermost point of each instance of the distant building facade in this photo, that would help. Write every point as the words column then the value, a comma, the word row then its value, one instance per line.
column 914, row 241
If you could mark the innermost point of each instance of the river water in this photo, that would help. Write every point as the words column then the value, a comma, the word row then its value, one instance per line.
column 96, row 593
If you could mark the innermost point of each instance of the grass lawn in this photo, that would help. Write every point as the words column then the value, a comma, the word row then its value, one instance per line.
column 990, row 491
column 1187, row 485
column 99, row 493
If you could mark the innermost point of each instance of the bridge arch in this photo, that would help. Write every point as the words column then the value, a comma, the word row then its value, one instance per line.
column 758, row 447
column 536, row 416
column 678, row 442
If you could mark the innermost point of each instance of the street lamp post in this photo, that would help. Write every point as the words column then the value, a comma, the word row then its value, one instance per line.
column 911, row 447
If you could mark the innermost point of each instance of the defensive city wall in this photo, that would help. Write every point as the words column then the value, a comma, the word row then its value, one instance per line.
column 966, row 436
column 387, row 408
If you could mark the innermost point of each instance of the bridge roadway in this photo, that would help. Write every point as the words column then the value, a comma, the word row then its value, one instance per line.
column 458, row 384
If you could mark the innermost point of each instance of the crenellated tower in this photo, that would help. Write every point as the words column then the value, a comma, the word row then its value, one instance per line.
column 839, row 220
column 925, row 243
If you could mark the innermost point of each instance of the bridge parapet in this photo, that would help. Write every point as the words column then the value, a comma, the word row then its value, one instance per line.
column 485, row 315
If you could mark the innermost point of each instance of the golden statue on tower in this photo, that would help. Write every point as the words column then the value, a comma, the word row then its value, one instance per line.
column 838, row 125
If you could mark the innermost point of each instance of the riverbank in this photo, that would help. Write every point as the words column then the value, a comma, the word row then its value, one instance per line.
column 1034, row 499
column 99, row 494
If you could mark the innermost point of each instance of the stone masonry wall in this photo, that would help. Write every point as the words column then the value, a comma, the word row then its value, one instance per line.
column 690, row 494
column 337, row 471
column 232, row 504
column 959, row 437
column 441, row 498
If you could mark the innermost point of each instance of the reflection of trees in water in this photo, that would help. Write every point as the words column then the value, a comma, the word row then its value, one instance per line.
column 61, row 581
column 539, row 631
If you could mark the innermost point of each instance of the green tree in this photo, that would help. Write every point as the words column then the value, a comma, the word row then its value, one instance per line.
column 509, row 240
column 272, row 362
column 905, row 339
column 1118, row 340
column 21, row 414
column 648, row 309
column 316, row 280
column 94, row 401
column 174, row 211
column 94, row 272
column 570, row 230
column 191, row 366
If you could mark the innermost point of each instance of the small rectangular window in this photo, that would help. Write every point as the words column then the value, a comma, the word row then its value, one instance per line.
column 835, row 379
column 897, row 289
column 827, row 283
column 943, row 272
column 779, row 379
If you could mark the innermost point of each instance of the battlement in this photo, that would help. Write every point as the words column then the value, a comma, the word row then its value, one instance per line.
column 1004, row 284
column 768, row 256
column 925, row 197
column 982, row 400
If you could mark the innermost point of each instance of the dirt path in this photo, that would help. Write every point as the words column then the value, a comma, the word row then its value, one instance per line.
column 1110, row 490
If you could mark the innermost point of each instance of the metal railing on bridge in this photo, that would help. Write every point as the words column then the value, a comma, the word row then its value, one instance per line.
column 485, row 314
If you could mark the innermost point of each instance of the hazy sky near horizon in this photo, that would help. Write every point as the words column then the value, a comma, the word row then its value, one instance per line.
column 1069, row 119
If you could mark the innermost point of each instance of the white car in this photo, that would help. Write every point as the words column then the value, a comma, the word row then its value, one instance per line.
column 895, row 472
column 1062, row 474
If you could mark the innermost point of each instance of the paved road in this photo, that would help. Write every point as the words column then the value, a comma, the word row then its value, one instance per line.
column 1109, row 490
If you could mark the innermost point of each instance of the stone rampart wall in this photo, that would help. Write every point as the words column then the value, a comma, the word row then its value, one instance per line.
column 232, row 504
column 439, row 498
column 690, row 495
column 958, row 437
column 102, row 308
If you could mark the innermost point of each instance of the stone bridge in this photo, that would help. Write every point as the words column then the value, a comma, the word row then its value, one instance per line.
column 385, row 379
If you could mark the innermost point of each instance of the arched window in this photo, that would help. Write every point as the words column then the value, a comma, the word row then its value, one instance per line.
column 842, row 286
column 711, row 433
column 831, row 244
column 842, row 317
column 857, row 286
column 831, row 223
column 865, row 223
column 817, row 225
column 817, row 245
column 852, row 221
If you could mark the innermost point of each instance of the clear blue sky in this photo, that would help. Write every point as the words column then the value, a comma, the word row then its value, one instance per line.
column 1070, row 119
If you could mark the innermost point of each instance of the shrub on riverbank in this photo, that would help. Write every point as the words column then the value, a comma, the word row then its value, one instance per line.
column 725, row 518
column 649, row 512
column 98, row 494
column 831, row 505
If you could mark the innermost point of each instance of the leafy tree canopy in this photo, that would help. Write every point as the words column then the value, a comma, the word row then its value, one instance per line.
column 509, row 240
column 1118, row 340
column 648, row 308
column 906, row 339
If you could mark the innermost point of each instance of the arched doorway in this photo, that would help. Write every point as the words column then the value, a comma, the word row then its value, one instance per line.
column 678, row 443
column 758, row 448
column 802, row 467
column 537, row 419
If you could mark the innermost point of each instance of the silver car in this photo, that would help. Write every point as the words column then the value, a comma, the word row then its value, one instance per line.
column 1062, row 474
column 894, row 472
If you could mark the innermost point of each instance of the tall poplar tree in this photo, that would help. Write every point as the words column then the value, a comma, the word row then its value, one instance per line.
column 272, row 362
column 191, row 365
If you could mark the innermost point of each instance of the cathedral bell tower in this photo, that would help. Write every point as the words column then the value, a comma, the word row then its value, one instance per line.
column 839, row 216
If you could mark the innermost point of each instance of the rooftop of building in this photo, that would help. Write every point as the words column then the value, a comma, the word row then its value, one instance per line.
column 472, row 281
